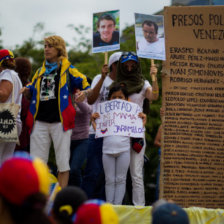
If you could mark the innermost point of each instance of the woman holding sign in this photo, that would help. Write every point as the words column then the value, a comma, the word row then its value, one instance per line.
column 129, row 73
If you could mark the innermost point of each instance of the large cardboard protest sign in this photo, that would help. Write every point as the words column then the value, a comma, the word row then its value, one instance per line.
column 119, row 117
column 192, row 163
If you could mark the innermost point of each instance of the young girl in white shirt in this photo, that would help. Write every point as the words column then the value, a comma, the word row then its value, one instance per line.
column 116, row 154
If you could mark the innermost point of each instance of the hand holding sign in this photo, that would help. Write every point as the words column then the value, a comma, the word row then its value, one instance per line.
column 105, row 70
column 153, row 70
column 119, row 117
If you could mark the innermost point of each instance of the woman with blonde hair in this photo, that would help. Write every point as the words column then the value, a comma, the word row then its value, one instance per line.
column 51, row 114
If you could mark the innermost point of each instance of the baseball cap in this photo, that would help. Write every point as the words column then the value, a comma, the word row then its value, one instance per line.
column 114, row 57
column 129, row 56
column 169, row 213
column 5, row 54
column 96, row 212
column 21, row 176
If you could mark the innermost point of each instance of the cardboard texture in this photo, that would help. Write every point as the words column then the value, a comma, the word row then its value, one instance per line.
column 192, row 163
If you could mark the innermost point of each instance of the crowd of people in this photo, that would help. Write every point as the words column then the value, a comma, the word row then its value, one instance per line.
column 23, row 199
column 59, row 106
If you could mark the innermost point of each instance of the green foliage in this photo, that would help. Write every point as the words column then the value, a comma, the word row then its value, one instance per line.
column 82, row 44
column 127, row 42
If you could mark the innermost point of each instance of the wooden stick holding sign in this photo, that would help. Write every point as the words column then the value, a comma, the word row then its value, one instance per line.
column 153, row 75
column 106, row 57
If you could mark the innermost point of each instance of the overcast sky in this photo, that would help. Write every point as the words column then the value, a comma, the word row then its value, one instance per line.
column 18, row 17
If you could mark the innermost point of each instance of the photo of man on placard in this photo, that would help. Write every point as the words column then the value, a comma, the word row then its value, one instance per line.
column 106, row 30
column 150, row 41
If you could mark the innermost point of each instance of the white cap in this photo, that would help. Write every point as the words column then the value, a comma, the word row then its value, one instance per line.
column 114, row 57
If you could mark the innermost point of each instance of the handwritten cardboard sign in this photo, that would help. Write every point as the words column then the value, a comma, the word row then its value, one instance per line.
column 192, row 170
column 119, row 117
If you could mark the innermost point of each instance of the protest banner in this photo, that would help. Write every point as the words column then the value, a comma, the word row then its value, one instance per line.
column 119, row 117
column 106, row 34
column 192, row 170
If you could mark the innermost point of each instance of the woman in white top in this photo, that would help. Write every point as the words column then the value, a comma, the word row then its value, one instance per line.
column 9, row 81
column 139, row 89
column 116, row 154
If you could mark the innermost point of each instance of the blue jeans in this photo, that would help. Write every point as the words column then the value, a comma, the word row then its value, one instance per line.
column 94, row 179
column 78, row 156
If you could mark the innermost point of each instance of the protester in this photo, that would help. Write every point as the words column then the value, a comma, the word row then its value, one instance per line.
column 23, row 68
column 10, row 86
column 51, row 114
column 116, row 154
column 164, row 212
column 129, row 73
column 66, row 204
column 150, row 42
column 93, row 181
column 24, row 187
column 79, row 141
column 96, row 212
column 106, row 33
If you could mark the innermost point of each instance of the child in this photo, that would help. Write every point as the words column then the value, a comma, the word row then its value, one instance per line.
column 79, row 140
column 66, row 204
column 116, row 154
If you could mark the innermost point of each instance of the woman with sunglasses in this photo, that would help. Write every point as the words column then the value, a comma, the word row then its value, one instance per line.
column 139, row 89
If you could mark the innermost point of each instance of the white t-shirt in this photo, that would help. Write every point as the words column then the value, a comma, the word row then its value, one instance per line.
column 138, row 98
column 102, row 95
column 155, row 50
column 115, row 144
column 13, row 77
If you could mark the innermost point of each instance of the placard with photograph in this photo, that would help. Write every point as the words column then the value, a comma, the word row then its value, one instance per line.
column 149, row 35
column 106, row 34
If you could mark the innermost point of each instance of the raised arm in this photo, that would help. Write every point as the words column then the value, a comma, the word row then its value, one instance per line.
column 157, row 141
column 153, row 93
column 93, row 94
